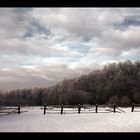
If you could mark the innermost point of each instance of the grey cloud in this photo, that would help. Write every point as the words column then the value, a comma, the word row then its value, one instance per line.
column 41, row 76
column 33, row 47
column 132, row 20
column 36, row 28
column 13, row 22
column 70, row 41
column 114, row 42
column 75, row 22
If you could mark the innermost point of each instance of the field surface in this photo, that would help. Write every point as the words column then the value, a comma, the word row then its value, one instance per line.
column 35, row 121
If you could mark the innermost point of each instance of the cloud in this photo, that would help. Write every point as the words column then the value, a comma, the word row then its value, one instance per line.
column 41, row 46
column 13, row 22
column 38, row 76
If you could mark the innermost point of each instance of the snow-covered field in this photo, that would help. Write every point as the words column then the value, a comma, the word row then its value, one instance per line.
column 35, row 121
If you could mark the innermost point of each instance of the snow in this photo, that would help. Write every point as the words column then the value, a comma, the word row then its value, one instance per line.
column 35, row 121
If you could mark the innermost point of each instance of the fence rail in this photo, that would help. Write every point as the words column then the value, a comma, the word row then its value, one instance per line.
column 11, row 110
column 134, row 105
column 70, row 109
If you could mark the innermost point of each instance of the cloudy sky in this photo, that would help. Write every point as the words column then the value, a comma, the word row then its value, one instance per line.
column 41, row 46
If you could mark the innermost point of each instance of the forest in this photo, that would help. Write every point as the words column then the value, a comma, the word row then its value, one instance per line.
column 115, row 83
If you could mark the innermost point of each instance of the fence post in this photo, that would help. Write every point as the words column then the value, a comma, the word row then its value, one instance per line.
column 96, row 108
column 114, row 106
column 79, row 108
column 44, row 109
column 18, row 109
column 61, row 109
column 132, row 107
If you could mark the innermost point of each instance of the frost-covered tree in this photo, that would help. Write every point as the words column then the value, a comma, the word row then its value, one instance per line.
column 125, row 101
column 114, row 99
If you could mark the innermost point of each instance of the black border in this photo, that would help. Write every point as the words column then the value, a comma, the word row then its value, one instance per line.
column 72, row 4
column 70, row 135
column 69, row 3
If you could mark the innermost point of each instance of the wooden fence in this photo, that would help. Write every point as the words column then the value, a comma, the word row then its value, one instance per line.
column 136, row 106
column 70, row 109
column 11, row 110
column 73, row 109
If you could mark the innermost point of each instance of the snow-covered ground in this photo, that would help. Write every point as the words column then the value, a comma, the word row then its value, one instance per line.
column 35, row 121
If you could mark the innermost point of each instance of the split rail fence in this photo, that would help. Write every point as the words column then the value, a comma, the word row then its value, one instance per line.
column 135, row 107
column 11, row 110
column 71, row 109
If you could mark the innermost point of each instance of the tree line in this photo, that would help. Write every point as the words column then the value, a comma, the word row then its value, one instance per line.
column 114, row 83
